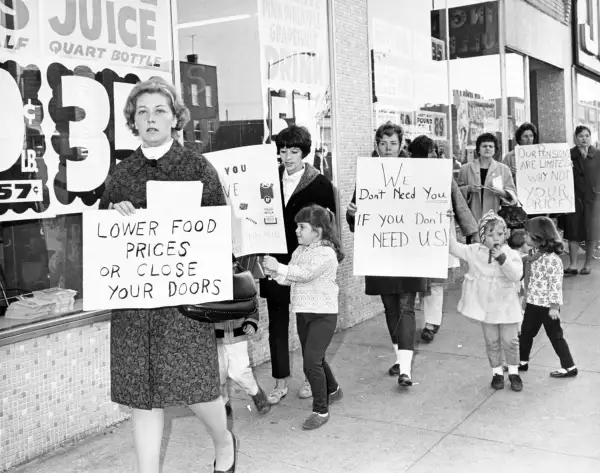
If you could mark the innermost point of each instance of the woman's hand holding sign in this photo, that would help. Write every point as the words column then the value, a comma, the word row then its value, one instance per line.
column 125, row 208
column 352, row 209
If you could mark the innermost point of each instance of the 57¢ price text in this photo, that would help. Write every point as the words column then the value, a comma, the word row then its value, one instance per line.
column 21, row 191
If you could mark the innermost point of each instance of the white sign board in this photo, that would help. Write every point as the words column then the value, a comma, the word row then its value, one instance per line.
column 250, row 179
column 155, row 259
column 545, row 178
column 402, row 227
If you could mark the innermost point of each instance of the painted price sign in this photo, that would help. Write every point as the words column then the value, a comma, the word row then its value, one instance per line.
column 20, row 191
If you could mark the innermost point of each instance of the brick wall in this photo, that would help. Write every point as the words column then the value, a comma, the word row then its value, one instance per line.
column 558, row 9
column 354, row 138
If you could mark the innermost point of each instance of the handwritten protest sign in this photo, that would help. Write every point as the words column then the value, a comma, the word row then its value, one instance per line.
column 545, row 178
column 250, row 179
column 402, row 227
column 155, row 259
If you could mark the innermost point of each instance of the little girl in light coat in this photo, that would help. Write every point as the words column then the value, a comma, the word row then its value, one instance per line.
column 490, row 295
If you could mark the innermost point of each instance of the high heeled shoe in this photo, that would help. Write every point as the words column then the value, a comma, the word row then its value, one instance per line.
column 236, row 446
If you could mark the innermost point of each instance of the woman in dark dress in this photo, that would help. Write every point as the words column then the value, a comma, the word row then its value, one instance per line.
column 301, row 185
column 398, row 294
column 159, row 357
column 584, row 224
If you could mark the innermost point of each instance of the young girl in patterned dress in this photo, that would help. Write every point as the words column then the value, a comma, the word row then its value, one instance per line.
column 544, row 296
column 314, row 297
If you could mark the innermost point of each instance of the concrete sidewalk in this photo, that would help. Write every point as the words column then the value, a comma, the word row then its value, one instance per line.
column 450, row 421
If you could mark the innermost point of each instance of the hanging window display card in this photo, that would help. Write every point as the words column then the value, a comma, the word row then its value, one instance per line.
column 156, row 258
column 250, row 179
column 402, row 227
column 545, row 178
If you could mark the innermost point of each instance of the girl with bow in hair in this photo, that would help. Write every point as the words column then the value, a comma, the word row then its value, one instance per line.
column 490, row 294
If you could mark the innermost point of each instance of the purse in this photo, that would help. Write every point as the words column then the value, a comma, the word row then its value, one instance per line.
column 243, row 304
column 513, row 215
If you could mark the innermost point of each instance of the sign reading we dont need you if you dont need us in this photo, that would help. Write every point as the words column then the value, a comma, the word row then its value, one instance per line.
column 402, row 227
column 154, row 259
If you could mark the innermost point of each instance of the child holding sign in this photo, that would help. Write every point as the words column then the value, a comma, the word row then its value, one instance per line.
column 490, row 295
column 314, row 298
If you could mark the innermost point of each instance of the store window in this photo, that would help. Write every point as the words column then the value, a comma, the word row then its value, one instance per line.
column 588, row 106
column 63, row 85
column 436, row 70
column 251, row 68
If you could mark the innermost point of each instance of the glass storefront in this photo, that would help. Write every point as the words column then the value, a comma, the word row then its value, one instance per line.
column 436, row 70
column 588, row 106
column 250, row 69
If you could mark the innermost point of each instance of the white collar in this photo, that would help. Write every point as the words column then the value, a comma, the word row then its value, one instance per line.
column 294, row 177
column 157, row 152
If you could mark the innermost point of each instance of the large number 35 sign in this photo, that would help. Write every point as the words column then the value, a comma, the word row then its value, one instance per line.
column 90, row 134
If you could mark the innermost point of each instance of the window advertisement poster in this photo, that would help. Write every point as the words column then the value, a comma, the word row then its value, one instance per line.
column 250, row 179
column 294, row 43
column 402, row 227
column 66, row 69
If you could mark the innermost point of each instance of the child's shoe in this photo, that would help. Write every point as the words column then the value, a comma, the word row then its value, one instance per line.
column 336, row 396
column 498, row 381
column 394, row 370
column 570, row 373
column 305, row 391
column 314, row 421
column 516, row 383
column 404, row 380
column 277, row 395
column 523, row 366
column 263, row 406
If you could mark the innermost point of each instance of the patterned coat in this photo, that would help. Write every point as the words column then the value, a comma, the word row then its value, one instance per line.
column 159, row 357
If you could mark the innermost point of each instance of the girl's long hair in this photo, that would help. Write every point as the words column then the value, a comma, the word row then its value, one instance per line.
column 320, row 217
column 545, row 235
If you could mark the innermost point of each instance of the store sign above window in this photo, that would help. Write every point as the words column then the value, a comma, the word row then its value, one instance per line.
column 587, row 39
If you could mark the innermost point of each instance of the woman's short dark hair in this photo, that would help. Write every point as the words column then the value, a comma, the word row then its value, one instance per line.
column 421, row 146
column 486, row 138
column 581, row 128
column 544, row 235
column 389, row 129
column 526, row 127
column 156, row 85
column 294, row 137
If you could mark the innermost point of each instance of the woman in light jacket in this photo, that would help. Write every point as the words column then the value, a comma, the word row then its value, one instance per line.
column 484, row 182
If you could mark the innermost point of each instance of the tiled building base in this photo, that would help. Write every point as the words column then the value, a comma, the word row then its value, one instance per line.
column 54, row 389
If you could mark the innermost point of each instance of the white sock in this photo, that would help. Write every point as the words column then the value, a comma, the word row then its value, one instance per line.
column 321, row 415
column 397, row 354
column 405, row 361
column 524, row 363
column 498, row 371
column 513, row 369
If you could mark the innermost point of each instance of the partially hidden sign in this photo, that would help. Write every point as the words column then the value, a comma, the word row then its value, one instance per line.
column 545, row 178
column 402, row 227
column 155, row 259
column 250, row 179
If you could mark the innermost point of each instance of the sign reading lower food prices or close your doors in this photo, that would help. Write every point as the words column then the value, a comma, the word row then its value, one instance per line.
column 250, row 179
column 402, row 227
column 156, row 258
column 66, row 69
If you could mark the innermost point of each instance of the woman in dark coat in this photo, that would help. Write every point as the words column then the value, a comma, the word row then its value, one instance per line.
column 159, row 357
column 433, row 301
column 584, row 224
column 301, row 185
column 398, row 294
